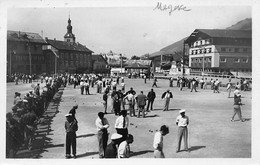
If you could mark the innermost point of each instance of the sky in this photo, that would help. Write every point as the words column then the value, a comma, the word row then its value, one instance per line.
column 129, row 28
column 126, row 30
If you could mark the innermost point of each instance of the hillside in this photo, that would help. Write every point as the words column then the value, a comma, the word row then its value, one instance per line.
column 245, row 24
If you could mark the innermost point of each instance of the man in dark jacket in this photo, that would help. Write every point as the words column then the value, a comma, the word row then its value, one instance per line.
column 71, row 127
column 150, row 97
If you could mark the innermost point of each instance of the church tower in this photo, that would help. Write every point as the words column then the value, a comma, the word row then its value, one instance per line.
column 69, row 36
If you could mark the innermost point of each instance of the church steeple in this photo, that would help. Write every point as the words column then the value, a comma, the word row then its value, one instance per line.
column 69, row 36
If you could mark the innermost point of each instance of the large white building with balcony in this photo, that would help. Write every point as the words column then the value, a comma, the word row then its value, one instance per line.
column 220, row 51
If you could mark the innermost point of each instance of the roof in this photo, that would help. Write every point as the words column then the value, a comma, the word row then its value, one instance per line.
column 138, row 64
column 96, row 56
column 226, row 33
column 115, row 63
column 63, row 45
column 24, row 37
column 218, row 33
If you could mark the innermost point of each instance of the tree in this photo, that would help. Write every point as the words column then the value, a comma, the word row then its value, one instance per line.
column 135, row 57
column 145, row 56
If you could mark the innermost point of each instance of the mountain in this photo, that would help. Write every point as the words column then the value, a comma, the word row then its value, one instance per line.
column 245, row 24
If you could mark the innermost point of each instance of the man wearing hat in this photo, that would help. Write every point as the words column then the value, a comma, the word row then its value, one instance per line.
column 158, row 141
column 237, row 104
column 71, row 127
column 182, row 122
column 111, row 150
column 73, row 112
column 166, row 96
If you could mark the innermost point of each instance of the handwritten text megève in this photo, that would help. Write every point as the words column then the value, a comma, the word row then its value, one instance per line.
column 170, row 8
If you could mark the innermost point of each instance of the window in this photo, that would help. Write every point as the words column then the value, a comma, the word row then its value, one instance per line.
column 209, row 59
column 25, row 46
column 230, row 50
column 192, row 51
column 38, row 67
column 210, row 50
column 200, row 42
column 196, row 51
column 223, row 49
column 244, row 60
column 223, row 60
column 65, row 56
column 236, row 60
column 236, row 50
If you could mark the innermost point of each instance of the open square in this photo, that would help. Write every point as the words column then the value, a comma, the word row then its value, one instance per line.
column 211, row 133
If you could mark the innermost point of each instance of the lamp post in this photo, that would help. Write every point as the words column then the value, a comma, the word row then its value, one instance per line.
column 121, row 64
column 183, row 54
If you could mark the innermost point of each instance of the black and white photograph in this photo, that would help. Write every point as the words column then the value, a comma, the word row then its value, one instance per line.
column 136, row 80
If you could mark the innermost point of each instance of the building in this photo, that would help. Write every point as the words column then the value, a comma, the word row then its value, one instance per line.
column 220, row 51
column 68, row 55
column 162, row 60
column 24, row 53
column 99, row 64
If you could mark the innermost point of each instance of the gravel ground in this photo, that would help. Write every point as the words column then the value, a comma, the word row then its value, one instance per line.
column 211, row 133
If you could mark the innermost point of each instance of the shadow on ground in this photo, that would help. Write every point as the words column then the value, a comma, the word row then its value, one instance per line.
column 193, row 148
column 168, row 110
column 141, row 152
column 148, row 116
column 86, row 154
column 41, row 141
column 86, row 135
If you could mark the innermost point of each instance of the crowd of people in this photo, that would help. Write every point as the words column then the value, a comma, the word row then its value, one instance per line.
column 22, row 122
column 27, row 110
column 21, row 77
